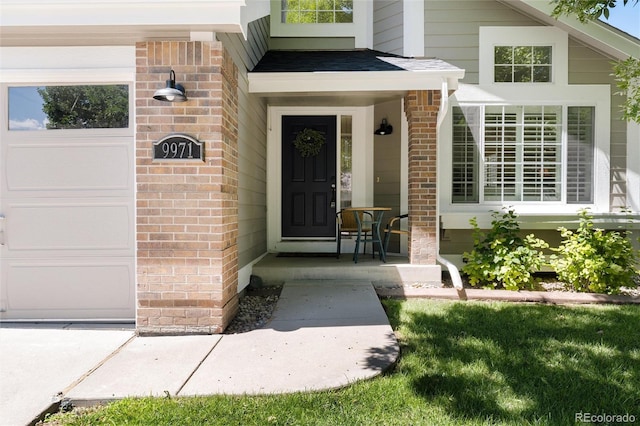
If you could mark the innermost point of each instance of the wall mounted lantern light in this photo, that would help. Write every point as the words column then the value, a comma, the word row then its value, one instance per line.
column 385, row 128
column 173, row 92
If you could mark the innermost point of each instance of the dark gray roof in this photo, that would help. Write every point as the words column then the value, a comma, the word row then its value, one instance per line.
column 277, row 61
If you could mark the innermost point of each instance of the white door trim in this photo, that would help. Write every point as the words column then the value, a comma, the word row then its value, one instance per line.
column 362, row 170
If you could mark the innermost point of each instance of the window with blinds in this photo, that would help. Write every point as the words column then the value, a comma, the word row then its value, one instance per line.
column 522, row 154
column 466, row 125
column 580, row 153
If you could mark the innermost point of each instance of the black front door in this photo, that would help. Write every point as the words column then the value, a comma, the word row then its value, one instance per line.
column 308, row 182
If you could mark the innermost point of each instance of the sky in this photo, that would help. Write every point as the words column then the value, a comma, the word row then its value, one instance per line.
column 625, row 18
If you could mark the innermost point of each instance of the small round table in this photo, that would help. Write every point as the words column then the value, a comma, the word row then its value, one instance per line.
column 377, row 213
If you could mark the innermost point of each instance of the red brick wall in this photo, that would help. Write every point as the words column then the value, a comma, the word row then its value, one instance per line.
column 421, row 108
column 187, row 213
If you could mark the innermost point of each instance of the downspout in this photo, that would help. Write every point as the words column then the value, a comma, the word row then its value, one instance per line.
column 453, row 270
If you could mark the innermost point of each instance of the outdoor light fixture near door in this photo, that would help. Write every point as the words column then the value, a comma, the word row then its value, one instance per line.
column 173, row 92
column 385, row 128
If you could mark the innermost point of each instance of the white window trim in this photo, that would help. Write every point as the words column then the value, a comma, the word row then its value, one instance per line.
column 598, row 96
column 360, row 29
column 50, row 66
column 633, row 166
column 524, row 36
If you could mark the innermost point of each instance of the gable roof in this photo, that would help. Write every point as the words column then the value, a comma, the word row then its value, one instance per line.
column 609, row 40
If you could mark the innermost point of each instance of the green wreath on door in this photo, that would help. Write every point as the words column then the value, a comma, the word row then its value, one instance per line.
column 309, row 142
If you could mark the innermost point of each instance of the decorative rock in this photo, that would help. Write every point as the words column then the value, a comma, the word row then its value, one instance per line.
column 254, row 309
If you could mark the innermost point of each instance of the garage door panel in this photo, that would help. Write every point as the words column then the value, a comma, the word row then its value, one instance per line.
column 69, row 225
column 69, row 290
column 58, row 167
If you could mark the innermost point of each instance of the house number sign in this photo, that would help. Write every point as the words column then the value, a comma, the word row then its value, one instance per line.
column 178, row 147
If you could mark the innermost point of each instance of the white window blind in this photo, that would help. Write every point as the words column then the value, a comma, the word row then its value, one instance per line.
column 522, row 154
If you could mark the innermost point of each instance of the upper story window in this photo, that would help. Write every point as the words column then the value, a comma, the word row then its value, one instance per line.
column 523, row 55
column 317, row 11
column 69, row 107
column 335, row 19
column 522, row 64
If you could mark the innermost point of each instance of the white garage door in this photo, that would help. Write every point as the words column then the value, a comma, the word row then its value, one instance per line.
column 67, row 197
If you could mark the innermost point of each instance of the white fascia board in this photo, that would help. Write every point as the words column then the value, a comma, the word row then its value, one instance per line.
column 595, row 34
column 37, row 13
column 37, row 65
column 352, row 81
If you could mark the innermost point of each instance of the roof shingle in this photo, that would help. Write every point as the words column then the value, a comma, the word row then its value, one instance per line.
column 280, row 61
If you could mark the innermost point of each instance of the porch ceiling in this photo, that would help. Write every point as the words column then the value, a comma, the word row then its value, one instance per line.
column 357, row 77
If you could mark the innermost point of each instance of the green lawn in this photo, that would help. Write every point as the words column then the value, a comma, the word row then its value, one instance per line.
column 462, row 363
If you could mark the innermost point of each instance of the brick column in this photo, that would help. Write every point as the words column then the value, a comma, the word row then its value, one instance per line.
column 421, row 108
column 187, row 213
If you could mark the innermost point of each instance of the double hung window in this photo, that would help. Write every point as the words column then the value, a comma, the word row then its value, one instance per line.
column 506, row 154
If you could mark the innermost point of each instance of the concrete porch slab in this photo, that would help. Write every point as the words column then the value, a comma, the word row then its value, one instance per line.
column 274, row 270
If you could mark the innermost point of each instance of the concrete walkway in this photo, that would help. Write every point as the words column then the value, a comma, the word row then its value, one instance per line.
column 323, row 335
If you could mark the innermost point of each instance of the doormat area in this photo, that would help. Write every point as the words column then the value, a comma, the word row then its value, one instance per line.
column 296, row 254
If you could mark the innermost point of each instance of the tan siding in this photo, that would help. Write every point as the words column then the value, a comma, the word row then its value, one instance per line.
column 387, row 26
column 587, row 66
column 452, row 30
column 312, row 43
column 386, row 164
column 252, row 116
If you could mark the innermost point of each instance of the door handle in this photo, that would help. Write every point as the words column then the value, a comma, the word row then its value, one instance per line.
column 333, row 195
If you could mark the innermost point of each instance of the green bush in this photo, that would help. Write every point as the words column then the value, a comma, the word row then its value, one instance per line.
column 594, row 260
column 502, row 258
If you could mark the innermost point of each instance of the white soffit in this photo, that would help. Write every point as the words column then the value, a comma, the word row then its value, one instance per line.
column 83, row 22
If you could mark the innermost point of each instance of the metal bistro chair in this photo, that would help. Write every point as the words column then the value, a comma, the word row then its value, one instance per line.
column 394, row 221
column 348, row 227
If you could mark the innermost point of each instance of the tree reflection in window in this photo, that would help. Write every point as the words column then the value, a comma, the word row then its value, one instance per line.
column 522, row 64
column 69, row 107
column 317, row 11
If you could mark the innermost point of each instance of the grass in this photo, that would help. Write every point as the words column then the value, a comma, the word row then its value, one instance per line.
column 468, row 363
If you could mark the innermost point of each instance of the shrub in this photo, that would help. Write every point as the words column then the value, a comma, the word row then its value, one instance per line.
column 502, row 257
column 594, row 260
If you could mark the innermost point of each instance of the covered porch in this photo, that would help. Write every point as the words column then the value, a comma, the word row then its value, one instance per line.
column 360, row 88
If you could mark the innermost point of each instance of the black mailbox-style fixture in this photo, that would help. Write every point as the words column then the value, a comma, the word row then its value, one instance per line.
column 173, row 92
column 385, row 128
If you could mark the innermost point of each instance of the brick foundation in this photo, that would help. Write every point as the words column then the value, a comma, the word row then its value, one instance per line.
column 187, row 213
column 421, row 108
